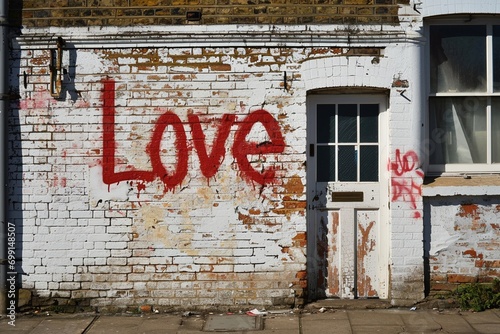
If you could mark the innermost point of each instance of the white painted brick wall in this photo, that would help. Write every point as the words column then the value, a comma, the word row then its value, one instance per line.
column 211, row 242
column 118, row 237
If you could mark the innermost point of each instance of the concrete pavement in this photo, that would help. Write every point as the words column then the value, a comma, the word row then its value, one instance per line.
column 386, row 321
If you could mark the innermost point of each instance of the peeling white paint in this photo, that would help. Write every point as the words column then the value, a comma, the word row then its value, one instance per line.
column 441, row 239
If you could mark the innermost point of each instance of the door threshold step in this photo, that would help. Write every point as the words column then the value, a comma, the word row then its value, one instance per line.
column 349, row 304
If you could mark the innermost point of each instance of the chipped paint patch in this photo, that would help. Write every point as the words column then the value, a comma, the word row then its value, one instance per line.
column 464, row 241
column 366, row 246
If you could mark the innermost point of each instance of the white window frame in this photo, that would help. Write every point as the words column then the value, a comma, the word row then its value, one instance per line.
column 464, row 168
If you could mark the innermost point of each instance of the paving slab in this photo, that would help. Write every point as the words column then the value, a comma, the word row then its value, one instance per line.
column 66, row 325
column 334, row 322
column 234, row 322
column 328, row 315
column 452, row 322
column 487, row 328
column 374, row 318
column 488, row 316
column 281, row 324
column 369, row 329
column 160, row 324
column 191, row 325
column 22, row 325
column 419, row 322
column 338, row 321
column 116, row 324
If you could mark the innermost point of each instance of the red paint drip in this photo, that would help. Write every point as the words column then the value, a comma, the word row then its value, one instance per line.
column 140, row 187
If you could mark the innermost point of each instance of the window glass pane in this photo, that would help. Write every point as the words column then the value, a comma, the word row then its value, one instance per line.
column 457, row 130
column 348, row 163
column 368, row 123
column 325, row 123
column 496, row 58
column 368, row 159
column 347, row 123
column 495, row 130
column 458, row 58
column 326, row 164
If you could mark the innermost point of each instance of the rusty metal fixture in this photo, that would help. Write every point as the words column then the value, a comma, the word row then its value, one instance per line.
column 56, row 74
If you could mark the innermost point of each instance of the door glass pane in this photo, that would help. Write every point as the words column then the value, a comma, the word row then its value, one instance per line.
column 495, row 130
column 326, row 123
column 458, row 130
column 368, row 123
column 368, row 160
column 348, row 163
column 496, row 58
column 458, row 58
column 348, row 123
column 326, row 164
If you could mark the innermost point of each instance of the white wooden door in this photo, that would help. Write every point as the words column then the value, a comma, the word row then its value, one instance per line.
column 348, row 196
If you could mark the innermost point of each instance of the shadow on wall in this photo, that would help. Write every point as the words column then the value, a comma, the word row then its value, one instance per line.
column 317, row 246
column 427, row 248
column 14, row 161
column 15, row 13
column 69, row 74
column 18, row 174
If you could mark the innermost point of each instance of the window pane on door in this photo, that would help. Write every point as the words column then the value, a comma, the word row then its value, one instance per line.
column 348, row 114
column 496, row 58
column 461, row 125
column 458, row 58
column 495, row 130
column 348, row 157
column 325, row 123
column 368, row 160
column 326, row 164
column 368, row 123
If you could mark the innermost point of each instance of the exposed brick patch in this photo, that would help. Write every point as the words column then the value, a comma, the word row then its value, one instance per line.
column 473, row 256
column 74, row 13
column 457, row 278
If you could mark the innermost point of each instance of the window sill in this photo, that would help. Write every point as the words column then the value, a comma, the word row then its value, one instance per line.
column 472, row 185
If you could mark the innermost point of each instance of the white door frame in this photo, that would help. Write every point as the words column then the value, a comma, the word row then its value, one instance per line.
column 317, row 243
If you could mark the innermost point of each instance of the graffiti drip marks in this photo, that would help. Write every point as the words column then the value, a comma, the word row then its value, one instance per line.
column 209, row 162
column 406, row 184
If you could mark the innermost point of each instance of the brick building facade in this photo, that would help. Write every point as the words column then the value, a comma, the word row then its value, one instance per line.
column 209, row 154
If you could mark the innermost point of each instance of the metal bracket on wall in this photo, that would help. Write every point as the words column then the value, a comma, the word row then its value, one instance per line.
column 56, row 74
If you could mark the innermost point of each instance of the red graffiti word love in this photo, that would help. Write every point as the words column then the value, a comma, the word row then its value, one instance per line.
column 209, row 161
